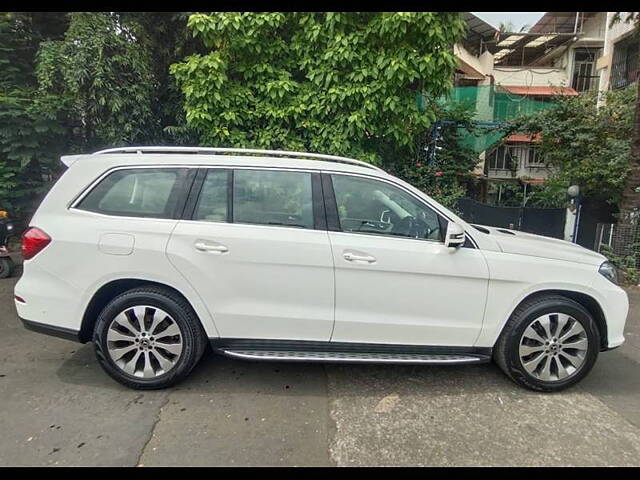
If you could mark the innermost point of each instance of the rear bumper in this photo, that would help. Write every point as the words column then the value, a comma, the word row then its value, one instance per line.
column 52, row 330
column 47, row 300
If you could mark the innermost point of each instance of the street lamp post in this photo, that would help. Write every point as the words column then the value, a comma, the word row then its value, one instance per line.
column 574, row 208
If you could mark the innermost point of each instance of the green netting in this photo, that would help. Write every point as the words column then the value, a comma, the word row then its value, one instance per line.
column 491, row 105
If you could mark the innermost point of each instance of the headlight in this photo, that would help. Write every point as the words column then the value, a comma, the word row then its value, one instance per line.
column 609, row 270
column 9, row 227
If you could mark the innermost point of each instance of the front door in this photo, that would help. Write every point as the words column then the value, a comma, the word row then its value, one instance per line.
column 396, row 282
column 256, row 249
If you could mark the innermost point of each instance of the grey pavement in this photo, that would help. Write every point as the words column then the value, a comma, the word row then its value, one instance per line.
column 57, row 407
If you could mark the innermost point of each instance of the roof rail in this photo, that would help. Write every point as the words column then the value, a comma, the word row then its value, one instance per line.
column 276, row 153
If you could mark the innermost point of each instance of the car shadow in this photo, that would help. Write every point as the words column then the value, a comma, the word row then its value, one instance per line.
column 82, row 368
column 303, row 378
column 215, row 372
column 614, row 374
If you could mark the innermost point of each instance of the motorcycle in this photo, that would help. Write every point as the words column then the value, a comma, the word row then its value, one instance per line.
column 6, row 230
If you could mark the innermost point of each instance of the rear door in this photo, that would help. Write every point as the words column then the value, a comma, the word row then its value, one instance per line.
column 254, row 245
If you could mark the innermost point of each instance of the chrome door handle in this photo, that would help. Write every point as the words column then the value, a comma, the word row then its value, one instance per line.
column 352, row 257
column 210, row 247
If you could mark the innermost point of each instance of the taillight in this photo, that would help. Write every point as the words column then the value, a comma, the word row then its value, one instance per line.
column 33, row 241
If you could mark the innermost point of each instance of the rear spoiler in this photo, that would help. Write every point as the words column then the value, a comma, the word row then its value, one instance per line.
column 69, row 160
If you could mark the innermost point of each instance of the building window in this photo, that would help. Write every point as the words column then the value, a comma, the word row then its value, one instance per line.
column 584, row 69
column 534, row 158
column 508, row 156
column 501, row 158
column 624, row 67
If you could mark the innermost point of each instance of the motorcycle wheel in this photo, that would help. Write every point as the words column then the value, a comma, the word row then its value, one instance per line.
column 6, row 267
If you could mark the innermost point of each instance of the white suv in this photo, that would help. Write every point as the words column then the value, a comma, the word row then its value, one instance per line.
column 154, row 252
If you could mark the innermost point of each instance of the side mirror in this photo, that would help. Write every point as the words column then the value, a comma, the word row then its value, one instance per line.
column 454, row 237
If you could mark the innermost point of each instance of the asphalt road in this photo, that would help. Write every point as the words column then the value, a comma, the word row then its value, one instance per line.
column 57, row 407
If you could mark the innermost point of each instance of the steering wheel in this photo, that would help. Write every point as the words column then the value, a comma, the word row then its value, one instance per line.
column 412, row 227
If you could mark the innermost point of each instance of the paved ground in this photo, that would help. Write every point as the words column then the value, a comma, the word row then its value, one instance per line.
column 58, row 408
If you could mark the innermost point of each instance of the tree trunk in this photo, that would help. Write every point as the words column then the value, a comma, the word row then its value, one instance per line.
column 630, row 202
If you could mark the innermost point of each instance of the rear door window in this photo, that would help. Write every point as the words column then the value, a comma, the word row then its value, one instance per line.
column 269, row 197
column 136, row 192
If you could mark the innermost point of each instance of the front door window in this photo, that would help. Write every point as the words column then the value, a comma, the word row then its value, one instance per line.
column 375, row 207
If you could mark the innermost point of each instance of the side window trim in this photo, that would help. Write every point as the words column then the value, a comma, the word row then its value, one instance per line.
column 230, row 194
column 194, row 194
column 319, row 213
column 330, row 204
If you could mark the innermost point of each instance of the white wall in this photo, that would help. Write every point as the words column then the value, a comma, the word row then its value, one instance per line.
column 530, row 76
column 595, row 27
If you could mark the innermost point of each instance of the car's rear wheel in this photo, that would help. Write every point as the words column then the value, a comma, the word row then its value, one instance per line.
column 548, row 344
column 148, row 338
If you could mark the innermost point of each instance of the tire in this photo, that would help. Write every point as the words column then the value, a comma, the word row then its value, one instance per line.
column 147, row 372
column 6, row 267
column 517, row 339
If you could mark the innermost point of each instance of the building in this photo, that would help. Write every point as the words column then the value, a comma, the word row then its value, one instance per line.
column 564, row 53
column 617, row 67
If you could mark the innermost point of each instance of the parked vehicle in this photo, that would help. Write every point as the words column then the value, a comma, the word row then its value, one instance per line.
column 6, row 230
column 153, row 253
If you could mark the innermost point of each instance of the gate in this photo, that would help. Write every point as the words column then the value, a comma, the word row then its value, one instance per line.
column 592, row 213
column 541, row 221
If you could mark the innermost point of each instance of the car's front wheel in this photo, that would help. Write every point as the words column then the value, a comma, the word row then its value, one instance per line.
column 148, row 338
column 548, row 344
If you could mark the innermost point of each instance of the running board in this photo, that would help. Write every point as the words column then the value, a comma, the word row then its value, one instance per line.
column 343, row 352
column 335, row 357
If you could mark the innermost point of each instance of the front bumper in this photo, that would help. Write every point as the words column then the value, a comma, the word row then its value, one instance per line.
column 615, row 306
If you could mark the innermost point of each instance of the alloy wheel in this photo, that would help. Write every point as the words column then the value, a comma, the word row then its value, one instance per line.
column 144, row 341
column 553, row 347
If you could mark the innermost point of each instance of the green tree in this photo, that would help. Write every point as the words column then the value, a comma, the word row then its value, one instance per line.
column 32, row 130
column 78, row 82
column 586, row 146
column 168, row 40
column 105, row 73
column 338, row 83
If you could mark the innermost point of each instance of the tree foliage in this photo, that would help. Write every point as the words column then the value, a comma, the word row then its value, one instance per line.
column 337, row 83
column 81, row 81
column 447, row 174
column 105, row 73
column 31, row 126
column 334, row 83
column 586, row 145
